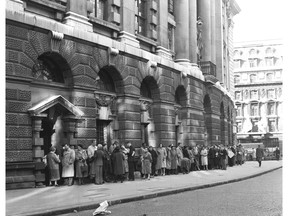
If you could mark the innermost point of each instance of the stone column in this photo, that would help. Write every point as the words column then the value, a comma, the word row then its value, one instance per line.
column 127, row 34
column 77, row 15
column 182, row 32
column 204, row 11
column 163, row 20
column 193, row 31
column 38, row 152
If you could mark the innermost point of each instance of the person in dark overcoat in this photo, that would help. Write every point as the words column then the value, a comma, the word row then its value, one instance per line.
column 131, row 161
column 223, row 154
column 80, row 161
column 53, row 162
column 277, row 153
column 174, row 160
column 98, row 164
column 259, row 154
column 118, row 164
column 154, row 160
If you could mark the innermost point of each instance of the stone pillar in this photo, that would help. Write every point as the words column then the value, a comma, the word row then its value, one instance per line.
column 193, row 31
column 38, row 152
column 163, row 20
column 70, row 129
column 182, row 32
column 204, row 11
column 77, row 15
column 127, row 34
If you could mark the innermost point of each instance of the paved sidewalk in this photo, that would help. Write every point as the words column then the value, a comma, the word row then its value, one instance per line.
column 64, row 199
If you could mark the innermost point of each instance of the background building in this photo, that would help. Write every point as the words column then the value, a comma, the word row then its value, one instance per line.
column 258, row 70
column 105, row 70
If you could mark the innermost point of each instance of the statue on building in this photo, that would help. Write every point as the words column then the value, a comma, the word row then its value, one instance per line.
column 199, row 39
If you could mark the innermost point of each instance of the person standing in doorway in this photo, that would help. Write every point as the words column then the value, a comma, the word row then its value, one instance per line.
column 259, row 154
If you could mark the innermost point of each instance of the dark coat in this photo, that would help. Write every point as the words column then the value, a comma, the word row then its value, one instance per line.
column 99, row 157
column 259, row 153
column 118, row 162
column 131, row 154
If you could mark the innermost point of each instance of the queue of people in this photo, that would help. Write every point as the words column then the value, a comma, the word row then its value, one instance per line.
column 99, row 164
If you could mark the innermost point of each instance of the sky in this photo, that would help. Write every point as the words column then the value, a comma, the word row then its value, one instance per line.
column 259, row 20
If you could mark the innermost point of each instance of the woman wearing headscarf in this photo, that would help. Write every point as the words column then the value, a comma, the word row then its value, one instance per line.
column 53, row 166
column 81, row 164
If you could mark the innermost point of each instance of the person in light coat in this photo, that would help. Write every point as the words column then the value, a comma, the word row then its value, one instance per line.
column 161, row 160
column 204, row 158
column 53, row 166
column 68, row 165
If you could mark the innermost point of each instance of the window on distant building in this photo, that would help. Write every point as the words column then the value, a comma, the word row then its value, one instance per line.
column 237, row 79
column 272, row 125
column 252, row 78
column 254, row 126
column 253, row 63
column 254, row 110
column 238, row 110
column 269, row 76
column 237, row 95
column 239, row 127
column 254, row 95
column 271, row 108
column 171, row 6
column 270, row 94
column 269, row 61
column 140, row 17
column 237, row 64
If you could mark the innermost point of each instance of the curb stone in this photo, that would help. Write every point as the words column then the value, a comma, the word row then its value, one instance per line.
column 71, row 209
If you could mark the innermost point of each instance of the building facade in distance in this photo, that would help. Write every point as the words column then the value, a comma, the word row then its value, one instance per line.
column 258, row 68
column 134, row 70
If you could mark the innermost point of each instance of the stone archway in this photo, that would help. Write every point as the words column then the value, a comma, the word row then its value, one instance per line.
column 44, row 115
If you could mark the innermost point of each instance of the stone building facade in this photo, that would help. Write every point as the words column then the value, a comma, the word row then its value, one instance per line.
column 105, row 70
column 258, row 68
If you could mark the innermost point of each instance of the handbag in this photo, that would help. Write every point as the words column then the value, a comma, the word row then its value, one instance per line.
column 84, row 167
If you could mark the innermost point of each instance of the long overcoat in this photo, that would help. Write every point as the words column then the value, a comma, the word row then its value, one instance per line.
column 68, row 163
column 53, row 166
column 118, row 162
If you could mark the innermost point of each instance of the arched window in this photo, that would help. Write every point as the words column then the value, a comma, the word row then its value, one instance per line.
column 49, row 67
